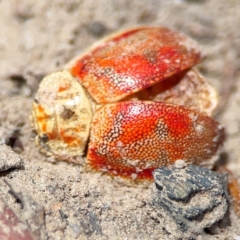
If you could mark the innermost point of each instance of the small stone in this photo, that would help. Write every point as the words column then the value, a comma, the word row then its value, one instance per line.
column 97, row 29
column 192, row 197
column 9, row 159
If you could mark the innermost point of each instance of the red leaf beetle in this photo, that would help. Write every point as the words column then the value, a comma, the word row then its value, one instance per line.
column 133, row 101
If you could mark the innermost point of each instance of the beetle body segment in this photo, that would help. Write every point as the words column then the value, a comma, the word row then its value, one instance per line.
column 132, row 138
column 132, row 61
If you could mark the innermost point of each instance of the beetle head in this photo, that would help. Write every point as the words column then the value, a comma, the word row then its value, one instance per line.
column 62, row 114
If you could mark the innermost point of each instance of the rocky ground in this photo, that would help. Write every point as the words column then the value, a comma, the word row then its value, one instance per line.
column 58, row 200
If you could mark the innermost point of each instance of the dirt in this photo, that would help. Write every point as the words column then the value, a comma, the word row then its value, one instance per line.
column 58, row 200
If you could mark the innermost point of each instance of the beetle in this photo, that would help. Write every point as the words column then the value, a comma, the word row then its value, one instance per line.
column 131, row 103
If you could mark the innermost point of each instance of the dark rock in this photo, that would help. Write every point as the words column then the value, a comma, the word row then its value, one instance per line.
column 193, row 197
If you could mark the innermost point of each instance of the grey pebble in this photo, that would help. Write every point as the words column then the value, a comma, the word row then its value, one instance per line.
column 192, row 197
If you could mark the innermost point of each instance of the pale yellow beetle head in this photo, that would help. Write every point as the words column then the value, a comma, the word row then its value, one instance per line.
column 62, row 114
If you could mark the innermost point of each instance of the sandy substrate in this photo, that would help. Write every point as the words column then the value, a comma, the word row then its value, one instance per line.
column 58, row 200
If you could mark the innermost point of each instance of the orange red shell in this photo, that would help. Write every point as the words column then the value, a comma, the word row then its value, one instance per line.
column 133, row 138
column 132, row 61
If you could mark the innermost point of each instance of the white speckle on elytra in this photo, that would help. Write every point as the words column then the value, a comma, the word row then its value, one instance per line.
column 199, row 128
column 193, row 117
column 134, row 176
column 119, row 144
column 208, row 151
column 220, row 127
column 104, row 170
column 216, row 139
column 147, row 165
column 132, row 162
column 138, row 170
column 166, row 60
